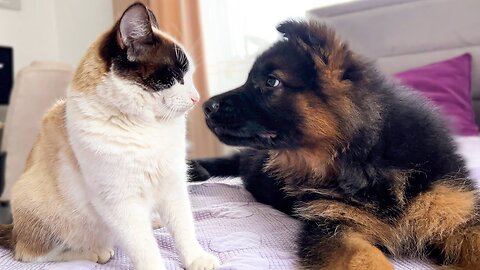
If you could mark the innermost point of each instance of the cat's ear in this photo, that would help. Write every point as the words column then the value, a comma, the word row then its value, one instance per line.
column 135, row 30
column 153, row 19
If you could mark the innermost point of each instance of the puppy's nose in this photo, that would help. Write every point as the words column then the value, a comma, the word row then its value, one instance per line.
column 210, row 107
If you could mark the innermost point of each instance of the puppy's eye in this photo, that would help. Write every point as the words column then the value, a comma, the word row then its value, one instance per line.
column 272, row 81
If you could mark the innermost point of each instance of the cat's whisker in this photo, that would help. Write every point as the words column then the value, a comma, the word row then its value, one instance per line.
column 166, row 116
column 173, row 114
column 163, row 116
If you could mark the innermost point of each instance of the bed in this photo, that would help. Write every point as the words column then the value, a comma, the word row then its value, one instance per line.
column 244, row 234
column 247, row 235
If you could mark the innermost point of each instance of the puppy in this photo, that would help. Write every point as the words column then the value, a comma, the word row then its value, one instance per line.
column 365, row 164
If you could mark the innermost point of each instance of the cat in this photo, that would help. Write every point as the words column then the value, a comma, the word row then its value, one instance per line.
column 110, row 159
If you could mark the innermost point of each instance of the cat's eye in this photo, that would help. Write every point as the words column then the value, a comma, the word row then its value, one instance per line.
column 272, row 81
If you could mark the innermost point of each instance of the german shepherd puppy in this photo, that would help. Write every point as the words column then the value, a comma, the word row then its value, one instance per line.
column 365, row 164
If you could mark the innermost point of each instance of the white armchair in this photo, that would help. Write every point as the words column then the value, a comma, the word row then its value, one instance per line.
column 36, row 88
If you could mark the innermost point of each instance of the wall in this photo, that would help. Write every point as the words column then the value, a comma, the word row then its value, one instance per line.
column 54, row 30
column 79, row 23
column 31, row 32
column 119, row 6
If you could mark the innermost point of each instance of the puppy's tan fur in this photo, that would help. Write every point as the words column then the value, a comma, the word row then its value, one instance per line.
column 437, row 216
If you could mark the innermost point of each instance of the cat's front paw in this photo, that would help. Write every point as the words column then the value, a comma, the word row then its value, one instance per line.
column 104, row 255
column 206, row 261
column 156, row 221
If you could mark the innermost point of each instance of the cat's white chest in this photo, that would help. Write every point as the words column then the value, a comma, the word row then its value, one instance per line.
column 162, row 140
column 164, row 152
column 143, row 154
column 157, row 149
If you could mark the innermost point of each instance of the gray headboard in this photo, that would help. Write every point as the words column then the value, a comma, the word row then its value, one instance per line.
column 401, row 34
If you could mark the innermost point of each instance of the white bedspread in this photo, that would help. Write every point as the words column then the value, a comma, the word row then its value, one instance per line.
column 469, row 148
column 241, row 232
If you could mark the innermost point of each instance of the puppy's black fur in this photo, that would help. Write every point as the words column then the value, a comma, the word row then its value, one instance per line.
column 249, row 165
column 366, row 164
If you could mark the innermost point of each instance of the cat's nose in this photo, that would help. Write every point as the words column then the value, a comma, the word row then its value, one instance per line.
column 210, row 107
column 194, row 96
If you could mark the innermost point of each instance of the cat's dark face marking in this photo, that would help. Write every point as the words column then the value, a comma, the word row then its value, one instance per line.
column 139, row 68
column 137, row 51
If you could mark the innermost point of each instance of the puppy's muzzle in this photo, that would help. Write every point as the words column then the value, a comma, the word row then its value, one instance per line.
column 210, row 107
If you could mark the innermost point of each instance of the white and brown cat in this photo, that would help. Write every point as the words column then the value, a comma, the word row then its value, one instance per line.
column 110, row 160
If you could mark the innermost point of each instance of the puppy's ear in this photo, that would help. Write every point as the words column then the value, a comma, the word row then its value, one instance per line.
column 314, row 37
column 328, row 52
column 299, row 31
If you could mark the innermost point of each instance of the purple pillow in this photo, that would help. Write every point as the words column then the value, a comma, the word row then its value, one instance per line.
column 448, row 85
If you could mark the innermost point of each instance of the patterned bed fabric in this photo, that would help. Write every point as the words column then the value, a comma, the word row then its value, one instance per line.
column 244, row 234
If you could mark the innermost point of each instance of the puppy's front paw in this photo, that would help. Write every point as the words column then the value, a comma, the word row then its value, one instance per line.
column 196, row 172
column 206, row 261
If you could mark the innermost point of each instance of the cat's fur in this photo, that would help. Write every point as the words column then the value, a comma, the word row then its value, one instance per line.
column 110, row 160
